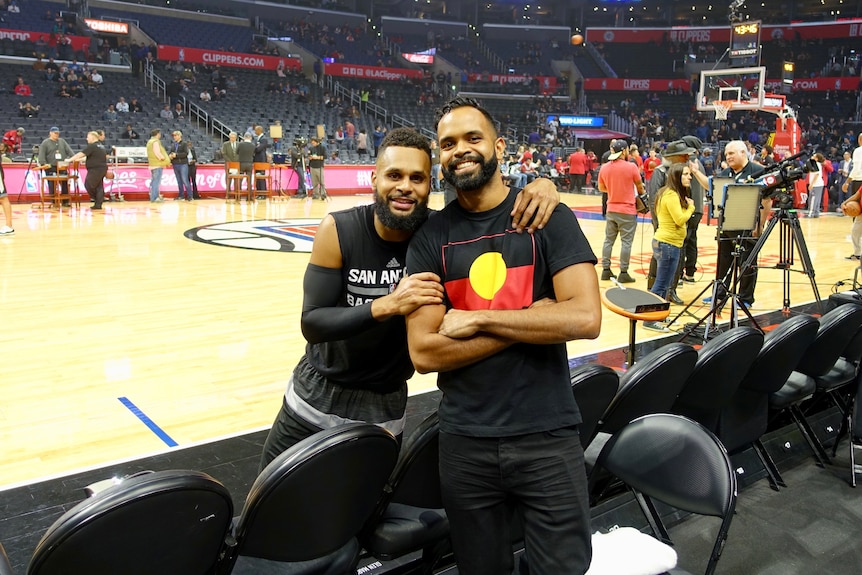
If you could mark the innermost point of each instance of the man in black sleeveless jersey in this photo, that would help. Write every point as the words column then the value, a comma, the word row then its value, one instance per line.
column 355, row 296
column 508, row 421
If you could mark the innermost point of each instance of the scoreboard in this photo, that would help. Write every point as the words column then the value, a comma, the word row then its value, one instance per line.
column 745, row 43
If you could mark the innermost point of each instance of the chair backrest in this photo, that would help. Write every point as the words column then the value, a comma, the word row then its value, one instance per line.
column 261, row 167
column 782, row 349
column 167, row 522
column 5, row 567
column 679, row 462
column 594, row 387
column 721, row 364
column 837, row 329
column 416, row 478
column 853, row 351
column 651, row 386
column 233, row 166
column 315, row 497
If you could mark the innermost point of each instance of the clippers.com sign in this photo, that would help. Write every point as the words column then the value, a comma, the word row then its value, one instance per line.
column 231, row 59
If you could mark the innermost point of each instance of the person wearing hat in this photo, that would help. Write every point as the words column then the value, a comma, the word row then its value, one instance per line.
column 54, row 150
column 316, row 157
column 699, row 185
column 676, row 152
column 14, row 140
column 618, row 178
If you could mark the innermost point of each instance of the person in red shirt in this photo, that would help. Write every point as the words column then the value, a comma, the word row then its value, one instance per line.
column 13, row 140
column 619, row 179
column 22, row 89
column 577, row 171
column 651, row 163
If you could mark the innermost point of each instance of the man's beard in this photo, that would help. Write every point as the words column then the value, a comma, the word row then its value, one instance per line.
column 408, row 223
column 468, row 183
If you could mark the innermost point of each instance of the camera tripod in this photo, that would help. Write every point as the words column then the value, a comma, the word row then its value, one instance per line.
column 720, row 294
column 789, row 235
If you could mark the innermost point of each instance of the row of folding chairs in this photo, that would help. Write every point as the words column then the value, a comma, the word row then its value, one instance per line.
column 664, row 429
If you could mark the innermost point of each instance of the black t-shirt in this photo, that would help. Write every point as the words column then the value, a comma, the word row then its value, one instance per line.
column 97, row 157
column 524, row 388
column 318, row 150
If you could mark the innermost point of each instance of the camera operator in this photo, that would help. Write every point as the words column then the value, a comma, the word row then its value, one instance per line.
column 851, row 188
column 741, row 170
column 298, row 156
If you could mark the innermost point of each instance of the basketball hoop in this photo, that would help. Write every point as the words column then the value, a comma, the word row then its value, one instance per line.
column 722, row 107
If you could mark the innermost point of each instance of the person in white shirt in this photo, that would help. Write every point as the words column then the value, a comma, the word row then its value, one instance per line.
column 852, row 186
column 122, row 106
column 815, row 187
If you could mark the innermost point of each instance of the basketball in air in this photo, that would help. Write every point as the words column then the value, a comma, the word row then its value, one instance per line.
column 852, row 209
column 577, row 40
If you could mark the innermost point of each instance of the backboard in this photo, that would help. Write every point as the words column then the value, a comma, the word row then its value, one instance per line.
column 742, row 86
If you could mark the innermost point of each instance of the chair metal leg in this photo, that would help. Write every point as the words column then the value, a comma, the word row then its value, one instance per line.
column 653, row 517
column 808, row 433
column 775, row 479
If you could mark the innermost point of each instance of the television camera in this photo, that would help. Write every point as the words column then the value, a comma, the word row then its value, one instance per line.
column 776, row 181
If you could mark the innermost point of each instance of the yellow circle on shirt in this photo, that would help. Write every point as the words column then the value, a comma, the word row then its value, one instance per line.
column 488, row 274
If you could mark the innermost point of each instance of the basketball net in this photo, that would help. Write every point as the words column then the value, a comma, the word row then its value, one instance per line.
column 722, row 107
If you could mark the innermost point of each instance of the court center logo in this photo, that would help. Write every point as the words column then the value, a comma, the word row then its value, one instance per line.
column 268, row 235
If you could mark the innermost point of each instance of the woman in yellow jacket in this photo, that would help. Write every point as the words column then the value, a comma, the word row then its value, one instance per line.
column 674, row 208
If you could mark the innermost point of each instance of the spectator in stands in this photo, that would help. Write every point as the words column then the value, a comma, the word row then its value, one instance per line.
column 350, row 135
column 22, row 88
column 339, row 137
column 14, row 139
column 122, row 106
column 178, row 113
column 96, row 78
column 51, row 70
column 129, row 133
column 28, row 110
column 435, row 166
column 333, row 158
column 135, row 106
column 362, row 143
column 63, row 92
column 377, row 137
column 205, row 96
column 166, row 113
column 110, row 115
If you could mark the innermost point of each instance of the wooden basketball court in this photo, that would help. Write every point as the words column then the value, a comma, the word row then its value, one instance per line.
column 121, row 337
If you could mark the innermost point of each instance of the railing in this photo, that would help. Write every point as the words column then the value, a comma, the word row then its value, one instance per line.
column 399, row 122
column 599, row 59
column 490, row 55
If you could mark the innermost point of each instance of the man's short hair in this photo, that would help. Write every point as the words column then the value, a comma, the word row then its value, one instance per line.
column 461, row 102
column 175, row 132
column 155, row 132
column 404, row 138
column 231, row 134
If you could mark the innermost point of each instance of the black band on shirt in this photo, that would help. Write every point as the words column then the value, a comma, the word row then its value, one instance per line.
column 321, row 319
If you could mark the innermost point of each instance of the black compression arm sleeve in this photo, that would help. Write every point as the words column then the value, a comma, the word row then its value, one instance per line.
column 322, row 320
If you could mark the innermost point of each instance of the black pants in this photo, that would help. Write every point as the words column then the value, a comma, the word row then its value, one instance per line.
column 193, row 172
column 95, row 185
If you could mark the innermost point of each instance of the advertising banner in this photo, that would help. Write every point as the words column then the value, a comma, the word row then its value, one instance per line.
column 232, row 59
column 821, row 84
column 844, row 29
column 133, row 181
column 370, row 72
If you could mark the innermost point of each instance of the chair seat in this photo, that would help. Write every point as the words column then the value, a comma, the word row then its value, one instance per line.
column 842, row 373
column 798, row 387
column 339, row 561
column 404, row 527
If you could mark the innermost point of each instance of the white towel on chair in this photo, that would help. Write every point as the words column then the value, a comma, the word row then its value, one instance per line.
column 627, row 551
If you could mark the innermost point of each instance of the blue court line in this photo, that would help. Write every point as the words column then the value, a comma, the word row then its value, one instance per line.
column 148, row 422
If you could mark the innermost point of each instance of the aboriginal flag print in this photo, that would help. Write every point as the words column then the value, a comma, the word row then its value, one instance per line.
column 490, row 272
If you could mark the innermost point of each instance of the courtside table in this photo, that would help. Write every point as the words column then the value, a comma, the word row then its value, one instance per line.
column 636, row 305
